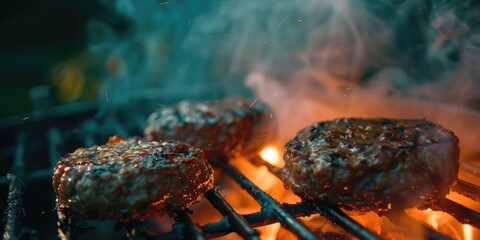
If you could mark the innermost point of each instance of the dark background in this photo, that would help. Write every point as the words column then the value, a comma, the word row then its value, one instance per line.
column 35, row 36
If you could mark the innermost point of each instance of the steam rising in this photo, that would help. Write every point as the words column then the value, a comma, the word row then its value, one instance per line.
column 310, row 60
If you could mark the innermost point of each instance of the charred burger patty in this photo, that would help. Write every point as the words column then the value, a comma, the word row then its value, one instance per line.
column 225, row 127
column 130, row 179
column 372, row 164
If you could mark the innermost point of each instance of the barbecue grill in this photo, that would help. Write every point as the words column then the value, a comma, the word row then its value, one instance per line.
column 33, row 143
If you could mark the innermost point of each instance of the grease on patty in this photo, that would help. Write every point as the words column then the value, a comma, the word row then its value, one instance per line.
column 130, row 179
column 372, row 164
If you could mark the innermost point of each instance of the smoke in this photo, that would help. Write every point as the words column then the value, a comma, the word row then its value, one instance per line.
column 309, row 59
column 397, row 45
column 147, row 58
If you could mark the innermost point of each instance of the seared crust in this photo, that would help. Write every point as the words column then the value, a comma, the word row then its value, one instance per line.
column 226, row 127
column 130, row 179
column 372, row 164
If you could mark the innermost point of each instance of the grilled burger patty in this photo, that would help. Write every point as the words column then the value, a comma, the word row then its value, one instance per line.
column 130, row 179
column 372, row 164
column 225, row 127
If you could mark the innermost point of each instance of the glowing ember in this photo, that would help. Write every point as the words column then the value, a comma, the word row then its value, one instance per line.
column 433, row 218
column 272, row 155
column 467, row 232
column 269, row 232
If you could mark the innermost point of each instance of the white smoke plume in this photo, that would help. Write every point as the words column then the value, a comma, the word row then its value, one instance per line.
column 310, row 60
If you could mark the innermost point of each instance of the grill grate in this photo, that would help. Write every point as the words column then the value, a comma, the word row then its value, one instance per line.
column 268, row 203
column 458, row 211
column 14, row 211
column 238, row 222
column 62, row 131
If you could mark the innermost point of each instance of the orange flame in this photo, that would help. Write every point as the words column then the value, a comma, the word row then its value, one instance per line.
column 467, row 232
column 433, row 218
column 272, row 155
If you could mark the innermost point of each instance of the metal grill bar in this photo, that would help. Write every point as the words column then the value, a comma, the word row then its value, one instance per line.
column 234, row 219
column 461, row 213
column 190, row 230
column 258, row 219
column 331, row 212
column 14, row 211
column 467, row 189
column 337, row 216
column 268, row 203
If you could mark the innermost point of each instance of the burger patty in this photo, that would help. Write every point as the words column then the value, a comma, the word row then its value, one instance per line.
column 372, row 164
column 130, row 179
column 227, row 127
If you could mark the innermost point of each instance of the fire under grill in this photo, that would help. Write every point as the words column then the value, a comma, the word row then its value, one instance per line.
column 33, row 144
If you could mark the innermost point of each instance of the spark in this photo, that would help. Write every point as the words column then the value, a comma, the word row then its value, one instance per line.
column 254, row 101
column 275, row 94
column 280, row 24
column 106, row 96
column 299, row 20
column 189, row 21
column 271, row 115
column 164, row 3
column 25, row 118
